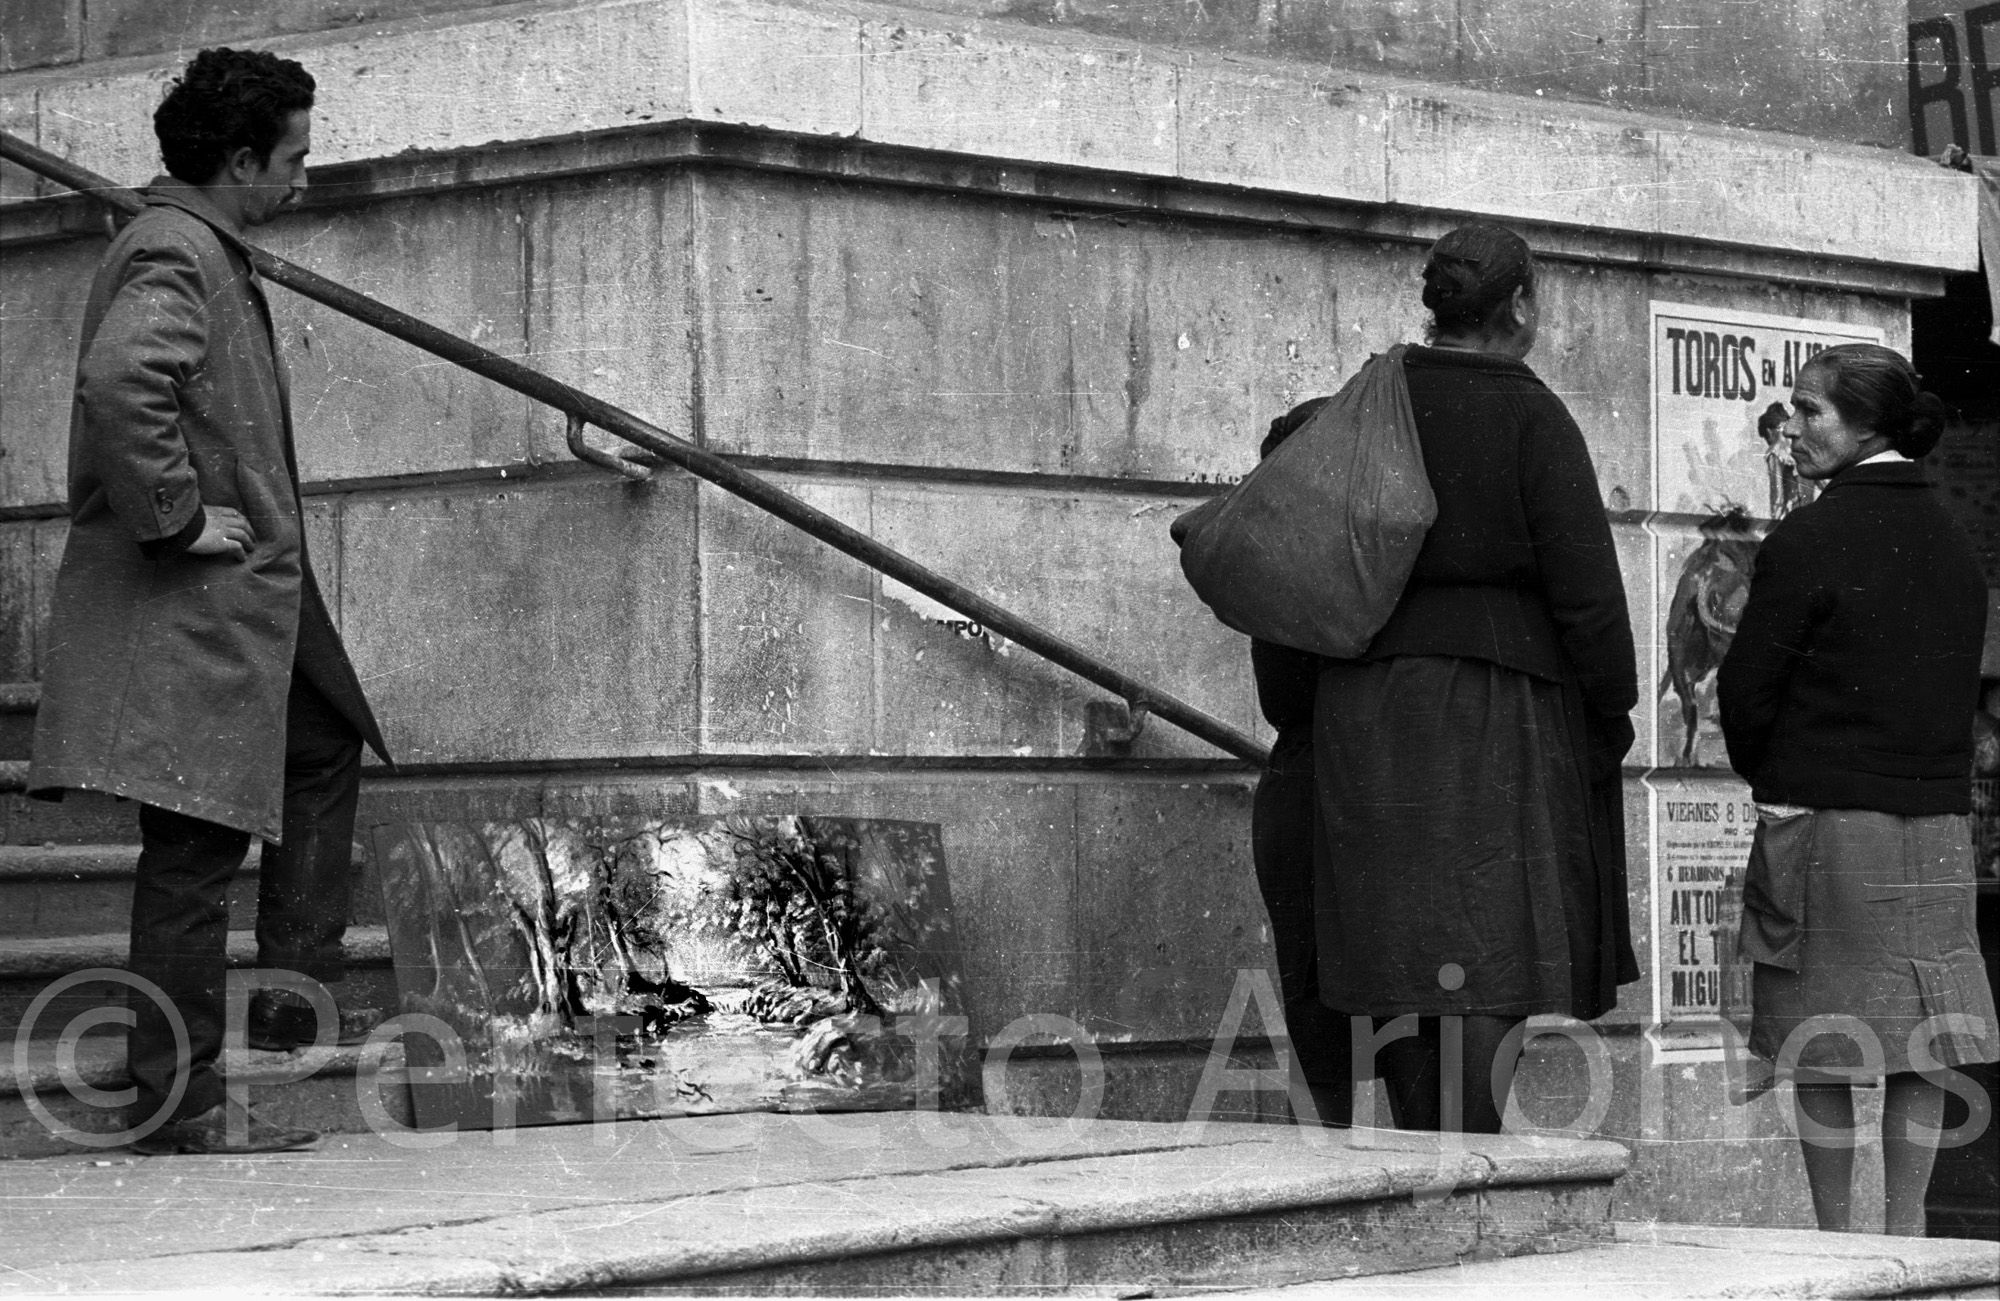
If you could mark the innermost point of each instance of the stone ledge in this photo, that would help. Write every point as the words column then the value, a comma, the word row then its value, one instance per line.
column 1000, row 91
column 801, row 1191
column 1193, row 197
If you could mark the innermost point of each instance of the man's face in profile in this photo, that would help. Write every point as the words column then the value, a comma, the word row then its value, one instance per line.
column 278, row 184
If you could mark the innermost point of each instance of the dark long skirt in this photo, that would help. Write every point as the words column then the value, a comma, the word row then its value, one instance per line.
column 1281, row 846
column 1467, row 862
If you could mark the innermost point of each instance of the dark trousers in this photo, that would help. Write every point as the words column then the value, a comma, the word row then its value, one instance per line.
column 1282, row 817
column 180, row 911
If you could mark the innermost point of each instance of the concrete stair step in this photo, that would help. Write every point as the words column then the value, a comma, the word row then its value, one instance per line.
column 29, row 958
column 367, row 985
column 29, row 966
column 55, row 1101
column 79, row 818
column 18, row 703
column 66, row 862
column 1688, row 1260
column 53, row 890
column 897, row 1204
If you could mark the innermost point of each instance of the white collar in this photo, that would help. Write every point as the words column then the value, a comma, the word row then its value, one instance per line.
column 1892, row 456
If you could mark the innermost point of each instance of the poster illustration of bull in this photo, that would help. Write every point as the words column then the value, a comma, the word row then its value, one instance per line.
column 1709, row 576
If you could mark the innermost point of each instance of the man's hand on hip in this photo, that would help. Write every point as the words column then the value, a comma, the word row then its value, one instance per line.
column 227, row 533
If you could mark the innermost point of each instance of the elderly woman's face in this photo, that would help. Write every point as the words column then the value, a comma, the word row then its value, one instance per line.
column 1824, row 444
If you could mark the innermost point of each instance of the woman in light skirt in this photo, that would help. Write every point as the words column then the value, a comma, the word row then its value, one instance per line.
column 1846, row 700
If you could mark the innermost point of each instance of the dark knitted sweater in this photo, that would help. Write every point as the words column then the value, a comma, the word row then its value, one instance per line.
column 1855, row 670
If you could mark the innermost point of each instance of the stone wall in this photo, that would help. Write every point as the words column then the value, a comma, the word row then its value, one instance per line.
column 1007, row 295
column 1812, row 66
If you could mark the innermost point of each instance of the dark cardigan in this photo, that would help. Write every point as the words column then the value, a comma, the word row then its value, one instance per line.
column 1519, row 567
column 1855, row 670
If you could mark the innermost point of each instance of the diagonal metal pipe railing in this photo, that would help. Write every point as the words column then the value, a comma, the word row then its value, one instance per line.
column 719, row 470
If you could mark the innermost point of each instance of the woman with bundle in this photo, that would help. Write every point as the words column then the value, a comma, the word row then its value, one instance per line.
column 1470, row 862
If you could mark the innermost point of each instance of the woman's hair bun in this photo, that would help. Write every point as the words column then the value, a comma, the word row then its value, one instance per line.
column 1472, row 270
column 1450, row 283
column 1927, row 416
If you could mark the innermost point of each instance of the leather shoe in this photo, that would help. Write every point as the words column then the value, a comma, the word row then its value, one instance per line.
column 206, row 1133
column 282, row 1025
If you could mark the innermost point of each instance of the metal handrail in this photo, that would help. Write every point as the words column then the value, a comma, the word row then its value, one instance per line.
column 582, row 408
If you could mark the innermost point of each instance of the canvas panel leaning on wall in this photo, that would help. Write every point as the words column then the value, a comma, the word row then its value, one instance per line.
column 560, row 971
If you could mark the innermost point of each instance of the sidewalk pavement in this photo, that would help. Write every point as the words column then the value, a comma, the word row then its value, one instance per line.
column 1669, row 1261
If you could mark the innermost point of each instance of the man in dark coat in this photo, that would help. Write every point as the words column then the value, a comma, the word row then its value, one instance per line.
column 193, row 664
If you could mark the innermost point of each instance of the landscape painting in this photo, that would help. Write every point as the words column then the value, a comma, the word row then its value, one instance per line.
column 557, row 971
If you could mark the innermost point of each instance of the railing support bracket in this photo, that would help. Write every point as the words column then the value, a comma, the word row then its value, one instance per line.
column 583, row 451
column 1110, row 728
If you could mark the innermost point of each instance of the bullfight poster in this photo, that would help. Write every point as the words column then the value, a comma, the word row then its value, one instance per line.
column 1722, row 476
column 1701, row 841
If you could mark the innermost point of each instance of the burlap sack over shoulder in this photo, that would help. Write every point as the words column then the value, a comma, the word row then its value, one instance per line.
column 1313, row 547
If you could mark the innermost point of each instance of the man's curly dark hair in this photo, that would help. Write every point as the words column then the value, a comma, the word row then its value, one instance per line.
column 227, row 100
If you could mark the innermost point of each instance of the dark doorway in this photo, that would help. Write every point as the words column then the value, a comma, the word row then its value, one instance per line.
column 1951, row 347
